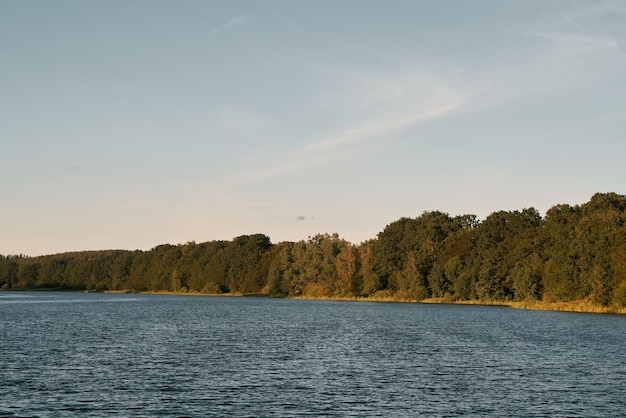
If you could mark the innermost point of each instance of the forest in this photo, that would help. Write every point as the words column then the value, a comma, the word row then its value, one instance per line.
column 572, row 253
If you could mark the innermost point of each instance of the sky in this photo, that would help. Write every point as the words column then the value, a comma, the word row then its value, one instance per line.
column 129, row 124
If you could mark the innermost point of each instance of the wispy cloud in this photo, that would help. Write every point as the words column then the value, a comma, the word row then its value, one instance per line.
column 377, row 128
column 366, row 106
column 228, row 25
column 565, row 56
column 371, row 106
column 380, row 104
column 581, row 38
column 582, row 48
column 384, row 102
column 291, row 161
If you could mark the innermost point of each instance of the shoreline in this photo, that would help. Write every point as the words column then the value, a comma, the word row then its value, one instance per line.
column 578, row 306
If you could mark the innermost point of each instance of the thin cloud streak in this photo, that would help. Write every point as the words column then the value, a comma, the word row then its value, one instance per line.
column 308, row 156
column 295, row 164
column 225, row 26
column 586, row 43
column 395, row 101
column 376, row 129
column 565, row 62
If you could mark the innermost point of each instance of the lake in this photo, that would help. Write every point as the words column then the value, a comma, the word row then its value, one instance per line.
column 89, row 354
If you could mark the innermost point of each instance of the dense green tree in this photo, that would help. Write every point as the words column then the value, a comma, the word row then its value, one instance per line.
column 241, row 256
column 618, row 263
column 279, row 275
column 602, row 218
column 372, row 282
column 456, row 259
column 497, row 238
column 410, row 282
column 421, row 238
column 438, row 283
column 28, row 274
column 8, row 272
column 561, row 280
column 255, row 281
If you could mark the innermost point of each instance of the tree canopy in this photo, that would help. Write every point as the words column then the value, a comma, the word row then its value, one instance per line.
column 572, row 253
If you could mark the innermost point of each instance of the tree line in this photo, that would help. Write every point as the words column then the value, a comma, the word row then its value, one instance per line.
column 572, row 253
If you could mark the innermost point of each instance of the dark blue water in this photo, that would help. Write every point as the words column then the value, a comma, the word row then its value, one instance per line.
column 72, row 354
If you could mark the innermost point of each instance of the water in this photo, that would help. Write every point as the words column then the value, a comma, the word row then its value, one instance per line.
column 73, row 354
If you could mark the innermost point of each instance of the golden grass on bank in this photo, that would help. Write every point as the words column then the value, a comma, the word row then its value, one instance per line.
column 583, row 306
column 380, row 296
column 573, row 306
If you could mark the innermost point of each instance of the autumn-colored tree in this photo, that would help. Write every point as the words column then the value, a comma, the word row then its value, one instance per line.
column 349, row 279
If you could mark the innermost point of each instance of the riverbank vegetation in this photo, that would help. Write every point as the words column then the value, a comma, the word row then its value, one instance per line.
column 573, row 257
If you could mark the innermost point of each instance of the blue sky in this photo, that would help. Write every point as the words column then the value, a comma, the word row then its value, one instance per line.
column 128, row 124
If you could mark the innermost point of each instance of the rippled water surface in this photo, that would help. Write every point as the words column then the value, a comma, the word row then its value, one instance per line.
column 73, row 354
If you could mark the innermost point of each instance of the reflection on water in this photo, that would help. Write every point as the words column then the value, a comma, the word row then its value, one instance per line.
column 66, row 354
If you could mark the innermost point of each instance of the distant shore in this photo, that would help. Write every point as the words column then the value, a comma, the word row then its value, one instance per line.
column 580, row 306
